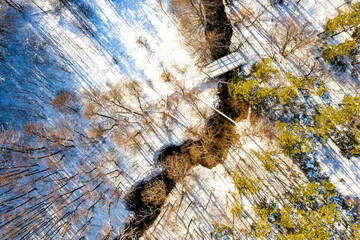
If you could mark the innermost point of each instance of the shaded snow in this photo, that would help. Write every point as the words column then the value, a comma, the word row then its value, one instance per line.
column 135, row 41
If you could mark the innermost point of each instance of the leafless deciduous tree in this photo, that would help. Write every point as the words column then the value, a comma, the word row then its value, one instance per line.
column 291, row 35
column 119, row 111
column 65, row 101
column 189, row 15
column 40, row 195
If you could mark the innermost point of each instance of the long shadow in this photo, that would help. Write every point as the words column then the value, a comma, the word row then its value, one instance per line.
column 212, row 148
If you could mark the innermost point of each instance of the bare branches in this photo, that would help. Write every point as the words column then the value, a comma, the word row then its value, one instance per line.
column 176, row 166
column 292, row 35
column 65, row 101
column 154, row 192
column 190, row 17
column 14, row 5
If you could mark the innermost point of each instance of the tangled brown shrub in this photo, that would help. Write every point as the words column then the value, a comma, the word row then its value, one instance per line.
column 154, row 192
column 176, row 166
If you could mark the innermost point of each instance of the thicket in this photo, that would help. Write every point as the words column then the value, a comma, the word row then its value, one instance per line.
column 314, row 210
column 341, row 125
column 222, row 231
column 297, row 137
column 291, row 210
column 250, row 87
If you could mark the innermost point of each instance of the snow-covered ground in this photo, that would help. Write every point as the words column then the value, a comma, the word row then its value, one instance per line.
column 113, row 42
column 213, row 188
column 136, row 41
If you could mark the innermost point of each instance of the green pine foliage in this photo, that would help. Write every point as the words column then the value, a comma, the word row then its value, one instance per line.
column 268, row 159
column 222, row 231
column 250, row 87
column 237, row 209
column 321, row 89
column 302, row 83
column 341, row 124
column 264, row 70
column 309, row 213
column 250, row 91
column 326, row 122
column 245, row 184
column 312, row 211
column 254, row 88
column 287, row 95
column 305, row 85
column 350, row 107
column 262, row 229
column 344, row 20
column 265, row 209
column 293, row 139
column 356, row 33
column 355, row 230
column 335, row 54
column 285, row 217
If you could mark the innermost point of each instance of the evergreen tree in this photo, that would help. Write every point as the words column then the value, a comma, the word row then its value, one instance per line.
column 344, row 20
column 293, row 139
column 311, row 212
column 337, row 54
column 246, row 185
column 342, row 125
column 264, row 71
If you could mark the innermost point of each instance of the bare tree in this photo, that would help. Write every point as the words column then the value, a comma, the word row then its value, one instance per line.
column 65, row 101
column 291, row 35
column 189, row 15
column 41, row 196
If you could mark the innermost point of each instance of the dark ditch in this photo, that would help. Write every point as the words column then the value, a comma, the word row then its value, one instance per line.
column 209, row 150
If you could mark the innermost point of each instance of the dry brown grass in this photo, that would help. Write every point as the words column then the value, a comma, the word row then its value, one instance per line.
column 95, row 132
column 266, row 127
column 211, row 160
column 235, row 109
column 193, row 132
column 254, row 117
column 192, row 151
